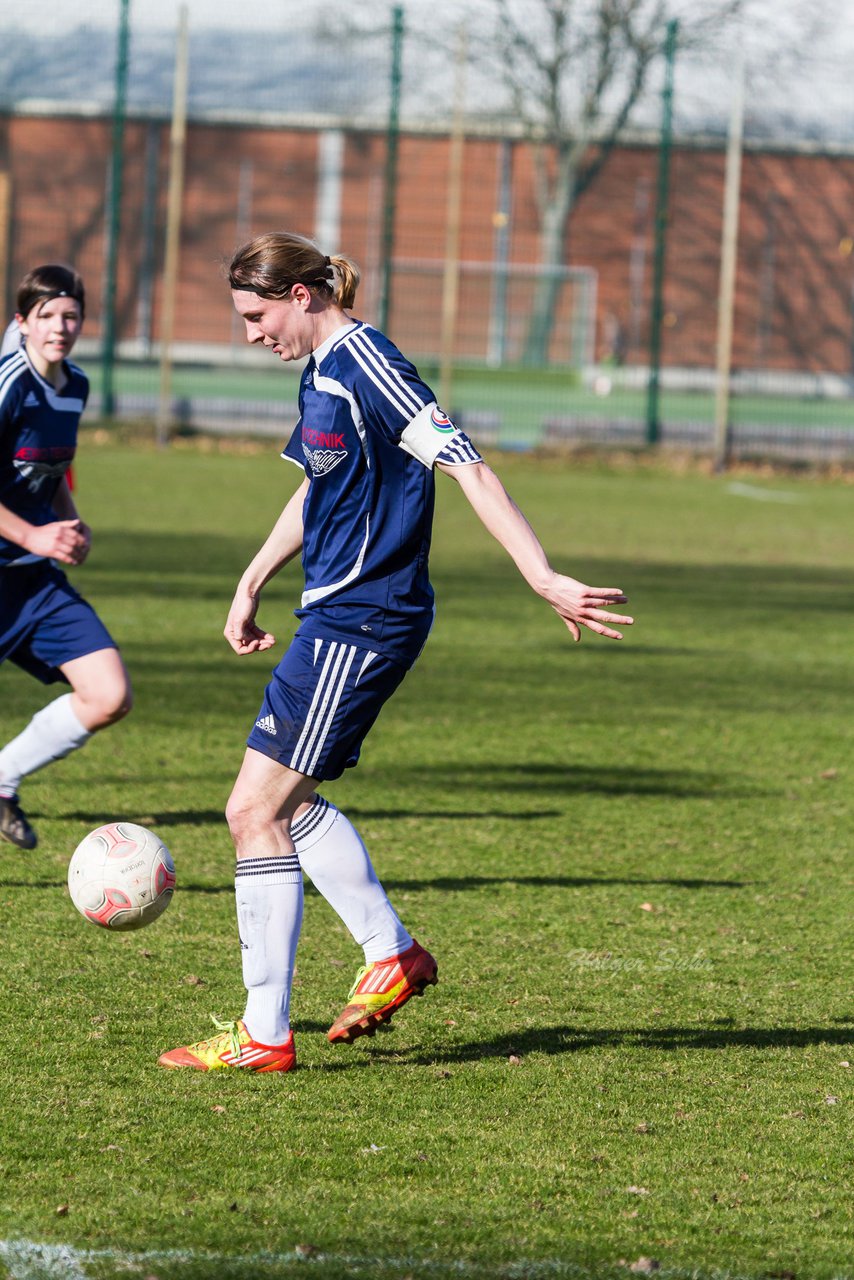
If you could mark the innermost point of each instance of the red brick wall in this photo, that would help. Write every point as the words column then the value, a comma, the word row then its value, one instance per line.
column 795, row 264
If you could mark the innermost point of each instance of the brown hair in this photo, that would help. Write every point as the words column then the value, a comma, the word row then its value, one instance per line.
column 47, row 282
column 270, row 265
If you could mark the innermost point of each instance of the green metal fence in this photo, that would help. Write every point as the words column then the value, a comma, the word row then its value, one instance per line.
column 346, row 133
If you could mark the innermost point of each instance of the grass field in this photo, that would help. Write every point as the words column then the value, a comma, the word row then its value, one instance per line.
column 518, row 400
column 632, row 861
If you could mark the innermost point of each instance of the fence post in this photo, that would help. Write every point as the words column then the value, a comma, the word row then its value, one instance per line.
column 653, row 420
column 390, row 195
column 729, row 254
column 451, row 274
column 177, row 147
column 114, row 204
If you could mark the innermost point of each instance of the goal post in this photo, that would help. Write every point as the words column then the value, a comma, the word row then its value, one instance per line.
column 495, row 306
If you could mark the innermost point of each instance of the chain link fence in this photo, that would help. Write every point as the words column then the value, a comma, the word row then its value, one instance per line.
column 387, row 146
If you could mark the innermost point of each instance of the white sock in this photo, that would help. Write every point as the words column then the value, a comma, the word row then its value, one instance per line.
column 332, row 854
column 53, row 732
column 269, row 916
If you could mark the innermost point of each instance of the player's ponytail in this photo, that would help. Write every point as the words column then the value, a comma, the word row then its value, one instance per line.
column 347, row 277
column 271, row 264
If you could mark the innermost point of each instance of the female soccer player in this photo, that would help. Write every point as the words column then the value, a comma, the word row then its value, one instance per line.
column 45, row 626
column 369, row 438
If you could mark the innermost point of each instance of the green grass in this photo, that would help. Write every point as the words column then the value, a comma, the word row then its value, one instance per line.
column 521, row 400
column 632, row 861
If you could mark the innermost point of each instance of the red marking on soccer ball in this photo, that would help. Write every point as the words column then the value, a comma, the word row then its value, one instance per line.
column 121, row 876
column 114, row 902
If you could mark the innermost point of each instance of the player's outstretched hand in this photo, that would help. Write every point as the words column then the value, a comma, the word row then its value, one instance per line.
column 583, row 606
column 63, row 540
column 241, row 631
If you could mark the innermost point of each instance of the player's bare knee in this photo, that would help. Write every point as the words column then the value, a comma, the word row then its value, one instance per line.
column 111, row 705
column 242, row 819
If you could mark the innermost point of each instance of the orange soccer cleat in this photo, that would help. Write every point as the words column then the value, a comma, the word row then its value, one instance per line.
column 233, row 1047
column 380, row 989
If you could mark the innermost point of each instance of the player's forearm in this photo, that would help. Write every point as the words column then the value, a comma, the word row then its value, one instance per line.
column 502, row 518
column 283, row 543
column 63, row 502
column 14, row 527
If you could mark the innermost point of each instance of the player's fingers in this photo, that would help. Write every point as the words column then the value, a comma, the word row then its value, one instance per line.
column 602, row 630
column 601, row 615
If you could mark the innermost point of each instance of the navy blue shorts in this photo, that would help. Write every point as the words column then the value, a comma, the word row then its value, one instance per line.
column 320, row 703
column 44, row 622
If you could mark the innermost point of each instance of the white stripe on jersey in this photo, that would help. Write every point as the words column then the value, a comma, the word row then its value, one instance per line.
column 10, row 371
column 319, row 593
column 388, row 380
column 333, row 388
column 327, row 695
column 17, row 364
column 459, row 451
column 369, row 657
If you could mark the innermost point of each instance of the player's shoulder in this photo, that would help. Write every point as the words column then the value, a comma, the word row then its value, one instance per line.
column 14, row 377
column 79, row 376
column 361, row 347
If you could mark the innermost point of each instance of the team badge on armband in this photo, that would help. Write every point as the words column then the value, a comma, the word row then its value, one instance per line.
column 442, row 422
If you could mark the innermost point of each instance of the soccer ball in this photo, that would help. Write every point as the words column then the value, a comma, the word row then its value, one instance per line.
column 121, row 876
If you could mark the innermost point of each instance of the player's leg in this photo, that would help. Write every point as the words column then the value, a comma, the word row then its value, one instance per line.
column 50, row 631
column 100, row 695
column 100, row 689
column 268, row 889
column 334, row 857
column 269, row 897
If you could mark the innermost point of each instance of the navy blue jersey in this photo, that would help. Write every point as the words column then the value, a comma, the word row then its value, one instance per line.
column 38, row 437
column 368, row 435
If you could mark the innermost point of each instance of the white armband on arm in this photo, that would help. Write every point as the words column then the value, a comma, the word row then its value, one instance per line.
column 432, row 437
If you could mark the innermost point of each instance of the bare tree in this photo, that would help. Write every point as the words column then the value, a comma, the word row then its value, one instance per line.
column 573, row 72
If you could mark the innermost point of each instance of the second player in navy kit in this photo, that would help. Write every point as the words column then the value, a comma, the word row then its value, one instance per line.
column 369, row 440
column 45, row 626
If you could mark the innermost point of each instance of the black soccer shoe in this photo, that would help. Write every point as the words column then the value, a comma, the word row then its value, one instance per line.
column 14, row 826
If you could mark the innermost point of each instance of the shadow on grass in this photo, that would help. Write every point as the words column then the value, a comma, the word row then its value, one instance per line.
column 459, row 883
column 456, row 884
column 558, row 1040
column 561, row 779
column 148, row 817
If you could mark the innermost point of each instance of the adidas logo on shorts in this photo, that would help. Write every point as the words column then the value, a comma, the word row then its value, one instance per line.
column 268, row 724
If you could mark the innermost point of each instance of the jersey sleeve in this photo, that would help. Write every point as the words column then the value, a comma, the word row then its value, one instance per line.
column 292, row 451
column 11, row 393
column 459, row 451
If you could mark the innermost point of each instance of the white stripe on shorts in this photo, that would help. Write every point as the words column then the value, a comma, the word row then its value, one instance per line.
column 324, row 704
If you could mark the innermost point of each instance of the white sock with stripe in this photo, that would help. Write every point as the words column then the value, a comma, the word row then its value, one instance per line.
column 53, row 733
column 331, row 852
column 269, row 895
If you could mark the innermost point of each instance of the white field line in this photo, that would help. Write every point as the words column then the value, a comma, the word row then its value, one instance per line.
column 29, row 1260
column 739, row 490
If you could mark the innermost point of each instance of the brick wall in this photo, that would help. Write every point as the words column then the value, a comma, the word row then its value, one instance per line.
column 795, row 264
